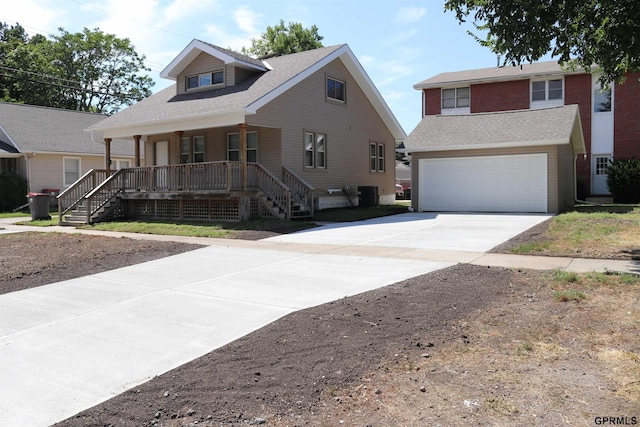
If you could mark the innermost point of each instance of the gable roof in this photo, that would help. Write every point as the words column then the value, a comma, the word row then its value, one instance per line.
column 196, row 47
column 34, row 129
column 167, row 112
column 493, row 74
column 505, row 129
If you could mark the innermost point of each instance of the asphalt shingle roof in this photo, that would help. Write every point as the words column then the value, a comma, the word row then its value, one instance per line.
column 549, row 126
column 29, row 128
column 494, row 74
column 167, row 106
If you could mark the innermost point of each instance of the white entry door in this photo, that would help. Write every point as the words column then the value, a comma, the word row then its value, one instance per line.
column 599, row 165
column 161, row 159
column 508, row 183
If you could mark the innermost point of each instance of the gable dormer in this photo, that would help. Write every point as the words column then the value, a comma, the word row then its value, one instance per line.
column 203, row 66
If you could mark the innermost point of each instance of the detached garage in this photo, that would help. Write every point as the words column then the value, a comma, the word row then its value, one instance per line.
column 514, row 161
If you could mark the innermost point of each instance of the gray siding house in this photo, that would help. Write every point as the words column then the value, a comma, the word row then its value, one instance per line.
column 236, row 137
column 50, row 148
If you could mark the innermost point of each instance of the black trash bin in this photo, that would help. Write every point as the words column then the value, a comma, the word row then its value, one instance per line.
column 39, row 205
column 53, row 194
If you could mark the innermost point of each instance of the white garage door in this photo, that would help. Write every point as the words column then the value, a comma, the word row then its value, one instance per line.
column 514, row 183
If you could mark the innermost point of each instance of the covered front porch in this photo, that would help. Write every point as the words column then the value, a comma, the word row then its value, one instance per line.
column 219, row 191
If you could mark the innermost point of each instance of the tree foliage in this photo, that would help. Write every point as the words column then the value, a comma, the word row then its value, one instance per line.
column 283, row 40
column 577, row 32
column 623, row 179
column 87, row 71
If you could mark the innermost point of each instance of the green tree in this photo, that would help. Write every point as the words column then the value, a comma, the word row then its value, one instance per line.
column 577, row 32
column 283, row 40
column 87, row 71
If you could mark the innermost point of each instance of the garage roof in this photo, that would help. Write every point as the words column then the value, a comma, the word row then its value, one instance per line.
column 548, row 126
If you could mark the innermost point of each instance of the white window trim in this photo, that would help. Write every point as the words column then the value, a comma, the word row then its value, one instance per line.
column 315, row 152
column 546, row 103
column 454, row 110
column 117, row 163
column 64, row 170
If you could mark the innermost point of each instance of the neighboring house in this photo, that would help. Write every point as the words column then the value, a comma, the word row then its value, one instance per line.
column 610, row 126
column 50, row 148
column 236, row 137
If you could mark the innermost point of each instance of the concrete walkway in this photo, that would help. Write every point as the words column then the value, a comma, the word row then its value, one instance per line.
column 70, row 345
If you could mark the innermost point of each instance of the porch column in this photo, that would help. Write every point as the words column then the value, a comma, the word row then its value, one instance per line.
column 107, row 155
column 243, row 152
column 179, row 134
column 137, row 140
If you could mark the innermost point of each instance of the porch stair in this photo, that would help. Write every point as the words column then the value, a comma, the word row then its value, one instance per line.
column 78, row 216
column 272, row 207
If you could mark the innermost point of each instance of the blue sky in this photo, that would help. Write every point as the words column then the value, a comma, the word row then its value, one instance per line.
column 398, row 42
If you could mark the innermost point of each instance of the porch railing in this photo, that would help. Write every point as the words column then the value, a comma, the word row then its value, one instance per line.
column 301, row 191
column 74, row 195
column 97, row 190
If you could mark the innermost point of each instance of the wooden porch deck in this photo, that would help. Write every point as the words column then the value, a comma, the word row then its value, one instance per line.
column 213, row 190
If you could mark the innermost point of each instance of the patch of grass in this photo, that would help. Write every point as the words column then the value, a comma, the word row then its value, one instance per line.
column 208, row 229
column 13, row 214
column 569, row 295
column 40, row 222
column 525, row 349
column 565, row 276
column 358, row 213
column 591, row 232
column 532, row 247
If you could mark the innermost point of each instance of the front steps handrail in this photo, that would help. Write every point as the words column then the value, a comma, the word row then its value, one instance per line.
column 301, row 191
column 273, row 188
column 71, row 197
column 104, row 193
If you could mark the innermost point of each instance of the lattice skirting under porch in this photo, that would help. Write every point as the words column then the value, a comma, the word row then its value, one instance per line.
column 189, row 210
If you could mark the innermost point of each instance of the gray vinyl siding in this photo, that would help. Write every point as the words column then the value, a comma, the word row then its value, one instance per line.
column 349, row 128
column 557, row 180
column 216, row 146
column 47, row 170
column 202, row 64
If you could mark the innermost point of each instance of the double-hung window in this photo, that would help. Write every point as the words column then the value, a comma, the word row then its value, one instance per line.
column 547, row 93
column 336, row 90
column 455, row 100
column 192, row 149
column 233, row 147
column 315, row 150
column 376, row 157
column 215, row 78
column 71, row 170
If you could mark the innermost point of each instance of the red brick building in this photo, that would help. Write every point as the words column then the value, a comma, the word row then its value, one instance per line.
column 610, row 118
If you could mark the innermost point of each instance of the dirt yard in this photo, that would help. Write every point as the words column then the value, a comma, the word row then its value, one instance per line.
column 466, row 345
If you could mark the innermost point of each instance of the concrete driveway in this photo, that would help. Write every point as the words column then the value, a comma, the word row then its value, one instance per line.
column 68, row 346
column 431, row 231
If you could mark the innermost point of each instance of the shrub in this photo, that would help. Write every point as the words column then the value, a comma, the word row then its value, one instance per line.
column 13, row 189
column 624, row 180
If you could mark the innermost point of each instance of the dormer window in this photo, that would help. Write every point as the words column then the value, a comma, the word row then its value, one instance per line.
column 208, row 79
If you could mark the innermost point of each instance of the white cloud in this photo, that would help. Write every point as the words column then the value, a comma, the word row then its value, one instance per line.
column 36, row 17
column 410, row 14
column 179, row 10
column 246, row 19
column 227, row 39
